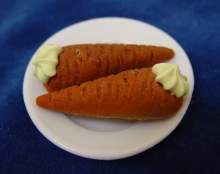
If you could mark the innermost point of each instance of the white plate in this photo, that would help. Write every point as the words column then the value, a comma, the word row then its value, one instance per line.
column 105, row 139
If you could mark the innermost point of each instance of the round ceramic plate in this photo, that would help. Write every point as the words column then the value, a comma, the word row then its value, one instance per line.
column 105, row 139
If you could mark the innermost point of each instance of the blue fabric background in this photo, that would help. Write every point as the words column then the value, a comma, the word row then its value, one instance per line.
column 194, row 147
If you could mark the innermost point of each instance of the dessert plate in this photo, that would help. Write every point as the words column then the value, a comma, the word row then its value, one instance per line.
column 105, row 139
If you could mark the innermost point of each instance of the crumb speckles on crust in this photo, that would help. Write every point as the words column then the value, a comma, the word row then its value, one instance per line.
column 77, row 52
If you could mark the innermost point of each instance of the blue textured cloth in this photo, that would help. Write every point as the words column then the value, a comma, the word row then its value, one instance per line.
column 194, row 147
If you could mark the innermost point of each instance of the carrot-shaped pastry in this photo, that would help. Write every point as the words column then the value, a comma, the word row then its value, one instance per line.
column 60, row 67
column 139, row 94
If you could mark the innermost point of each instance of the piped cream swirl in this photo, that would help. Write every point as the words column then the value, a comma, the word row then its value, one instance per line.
column 45, row 61
column 171, row 79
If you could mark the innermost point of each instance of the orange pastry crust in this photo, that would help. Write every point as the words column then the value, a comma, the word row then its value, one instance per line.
column 81, row 63
column 132, row 95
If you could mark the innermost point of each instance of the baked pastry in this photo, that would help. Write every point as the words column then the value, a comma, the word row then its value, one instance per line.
column 61, row 67
column 138, row 94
